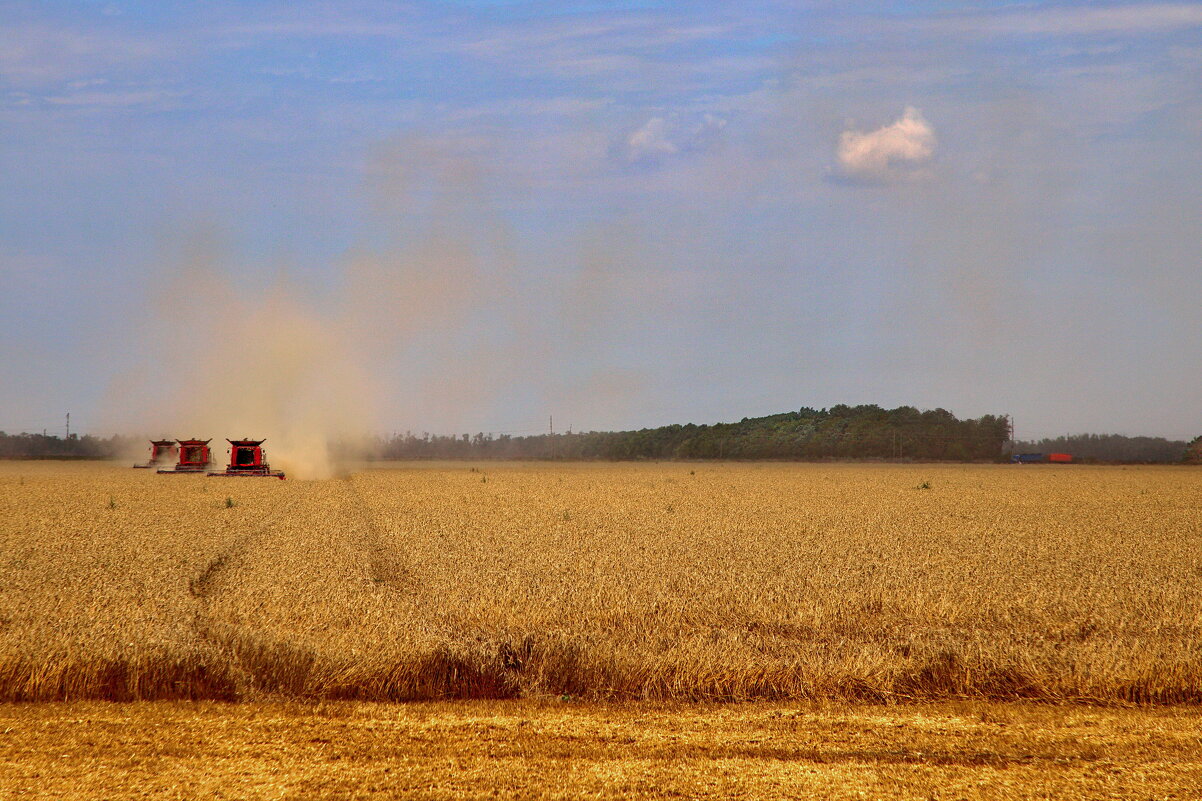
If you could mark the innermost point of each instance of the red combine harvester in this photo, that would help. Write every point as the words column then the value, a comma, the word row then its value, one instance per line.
column 161, row 451
column 246, row 459
column 193, row 457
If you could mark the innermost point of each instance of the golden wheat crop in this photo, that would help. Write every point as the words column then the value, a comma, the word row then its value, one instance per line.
column 663, row 581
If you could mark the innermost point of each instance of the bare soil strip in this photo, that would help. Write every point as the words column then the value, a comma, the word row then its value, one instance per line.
column 556, row 749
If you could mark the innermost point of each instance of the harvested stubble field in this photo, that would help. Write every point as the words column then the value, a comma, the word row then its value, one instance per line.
column 669, row 582
column 979, row 750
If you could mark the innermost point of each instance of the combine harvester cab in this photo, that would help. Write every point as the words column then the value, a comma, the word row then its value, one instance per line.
column 162, row 451
column 193, row 457
column 246, row 459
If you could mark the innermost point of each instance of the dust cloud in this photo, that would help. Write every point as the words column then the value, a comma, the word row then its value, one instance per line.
column 225, row 360
column 424, row 325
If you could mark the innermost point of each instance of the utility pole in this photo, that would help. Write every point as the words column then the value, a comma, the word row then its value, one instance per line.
column 551, row 428
column 68, row 425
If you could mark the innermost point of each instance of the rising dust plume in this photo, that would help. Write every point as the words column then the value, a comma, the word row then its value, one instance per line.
column 228, row 361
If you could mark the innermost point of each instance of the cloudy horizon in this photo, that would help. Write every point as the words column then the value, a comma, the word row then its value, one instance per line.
column 470, row 216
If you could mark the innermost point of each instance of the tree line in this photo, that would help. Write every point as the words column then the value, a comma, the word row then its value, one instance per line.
column 1109, row 448
column 852, row 432
column 49, row 446
column 840, row 432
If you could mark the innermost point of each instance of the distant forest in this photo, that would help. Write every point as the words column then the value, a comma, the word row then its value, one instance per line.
column 42, row 446
column 851, row 432
column 840, row 432
column 1109, row 448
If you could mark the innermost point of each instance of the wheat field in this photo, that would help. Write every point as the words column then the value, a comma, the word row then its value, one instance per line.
column 675, row 581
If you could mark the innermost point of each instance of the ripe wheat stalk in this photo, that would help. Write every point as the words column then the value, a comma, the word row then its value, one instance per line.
column 669, row 581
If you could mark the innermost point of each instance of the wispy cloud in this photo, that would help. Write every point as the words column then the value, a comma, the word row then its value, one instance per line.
column 659, row 137
column 363, row 76
column 307, row 19
column 119, row 99
column 35, row 53
column 321, row 27
column 648, row 48
column 613, row 32
column 650, row 140
column 531, row 107
column 1082, row 20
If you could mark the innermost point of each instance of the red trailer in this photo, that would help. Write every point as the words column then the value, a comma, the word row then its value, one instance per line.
column 246, row 459
column 162, row 451
column 193, row 457
column 1062, row 458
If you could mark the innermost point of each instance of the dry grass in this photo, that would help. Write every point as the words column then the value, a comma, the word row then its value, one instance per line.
column 669, row 581
column 506, row 749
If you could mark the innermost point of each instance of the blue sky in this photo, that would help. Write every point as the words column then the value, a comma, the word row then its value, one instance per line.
column 622, row 214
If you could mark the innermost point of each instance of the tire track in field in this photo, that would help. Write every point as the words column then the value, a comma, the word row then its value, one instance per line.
column 249, row 664
column 280, row 608
column 385, row 564
column 336, row 549
column 210, row 579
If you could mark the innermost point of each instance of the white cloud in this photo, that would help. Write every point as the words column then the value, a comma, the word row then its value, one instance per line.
column 889, row 152
column 650, row 141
